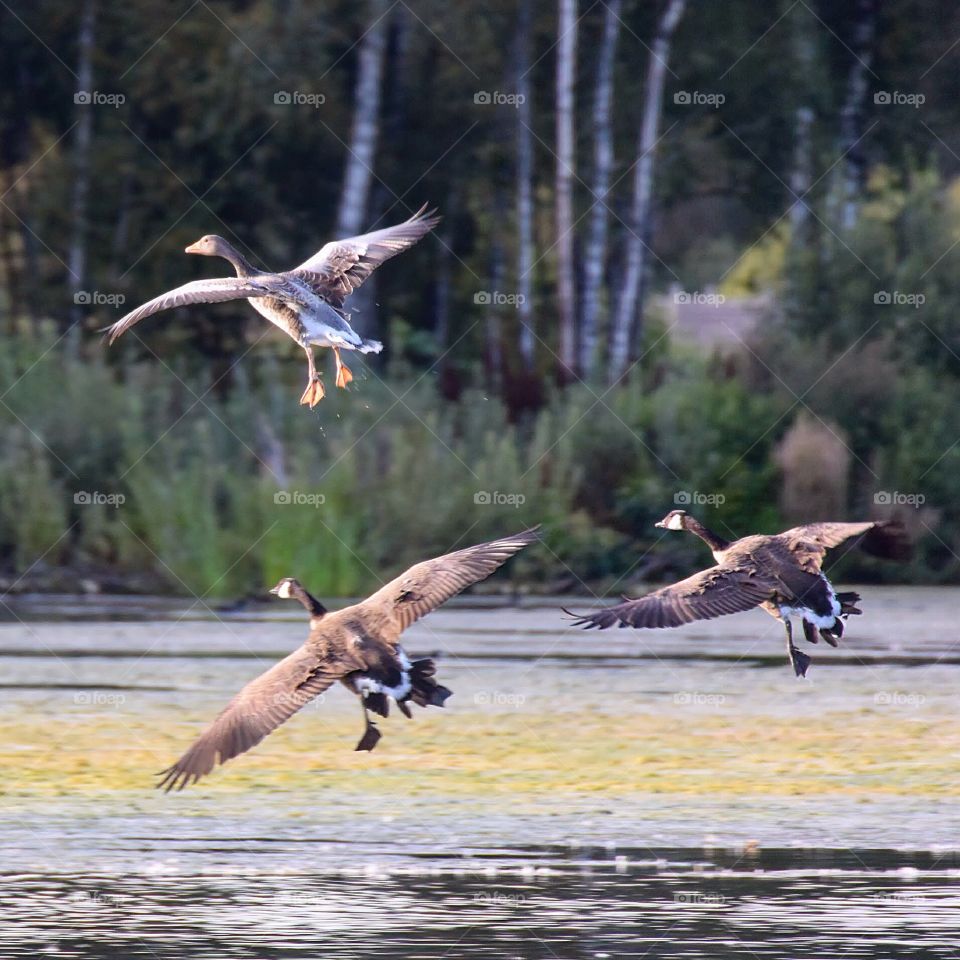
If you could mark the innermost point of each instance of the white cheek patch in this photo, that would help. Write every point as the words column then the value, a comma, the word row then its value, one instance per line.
column 284, row 592
column 676, row 522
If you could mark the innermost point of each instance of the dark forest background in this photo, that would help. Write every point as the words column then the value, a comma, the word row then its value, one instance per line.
column 594, row 163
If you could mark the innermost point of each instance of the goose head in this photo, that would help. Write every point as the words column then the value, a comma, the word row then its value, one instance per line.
column 211, row 246
column 287, row 588
column 675, row 520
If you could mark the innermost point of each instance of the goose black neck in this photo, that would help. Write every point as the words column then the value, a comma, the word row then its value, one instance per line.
column 714, row 542
column 312, row 605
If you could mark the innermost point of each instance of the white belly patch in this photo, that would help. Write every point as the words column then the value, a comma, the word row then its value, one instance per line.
column 364, row 684
column 818, row 620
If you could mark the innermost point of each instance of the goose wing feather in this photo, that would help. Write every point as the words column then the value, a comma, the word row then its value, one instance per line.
column 713, row 592
column 213, row 290
column 259, row 708
column 810, row 543
column 425, row 586
column 339, row 267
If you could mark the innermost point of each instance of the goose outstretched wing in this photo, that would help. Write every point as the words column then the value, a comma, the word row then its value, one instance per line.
column 339, row 267
column 214, row 290
column 425, row 586
column 809, row 544
column 713, row 592
column 257, row 710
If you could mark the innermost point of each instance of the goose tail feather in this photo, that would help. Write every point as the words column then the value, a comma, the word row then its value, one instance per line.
column 424, row 690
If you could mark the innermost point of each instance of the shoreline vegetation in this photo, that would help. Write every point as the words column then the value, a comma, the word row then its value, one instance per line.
column 384, row 474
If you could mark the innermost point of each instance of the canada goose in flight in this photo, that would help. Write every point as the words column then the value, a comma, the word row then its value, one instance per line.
column 306, row 303
column 358, row 645
column 780, row 573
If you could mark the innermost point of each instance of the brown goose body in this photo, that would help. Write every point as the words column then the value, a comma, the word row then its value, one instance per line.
column 781, row 573
column 359, row 646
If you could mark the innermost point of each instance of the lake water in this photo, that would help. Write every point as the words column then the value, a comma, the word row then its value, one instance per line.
column 619, row 794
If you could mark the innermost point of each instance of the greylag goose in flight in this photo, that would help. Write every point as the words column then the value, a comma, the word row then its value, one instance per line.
column 779, row 573
column 306, row 303
column 359, row 646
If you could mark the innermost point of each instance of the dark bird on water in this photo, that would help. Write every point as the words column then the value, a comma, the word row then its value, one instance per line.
column 306, row 303
column 359, row 646
column 780, row 573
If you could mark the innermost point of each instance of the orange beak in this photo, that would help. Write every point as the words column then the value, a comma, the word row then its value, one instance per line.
column 193, row 248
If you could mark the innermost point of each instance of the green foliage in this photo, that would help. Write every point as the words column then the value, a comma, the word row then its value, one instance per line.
column 224, row 492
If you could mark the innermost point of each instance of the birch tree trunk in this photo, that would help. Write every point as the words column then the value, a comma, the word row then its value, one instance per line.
column 361, row 154
column 801, row 171
column 566, row 169
column 83, row 139
column 527, row 334
column 595, row 256
column 443, row 290
column 852, row 116
column 358, row 174
column 494, row 323
column 626, row 325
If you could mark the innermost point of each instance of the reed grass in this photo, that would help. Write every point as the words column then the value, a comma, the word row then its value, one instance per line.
column 220, row 488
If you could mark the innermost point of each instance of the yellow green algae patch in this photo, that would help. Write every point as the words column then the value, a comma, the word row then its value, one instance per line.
column 528, row 757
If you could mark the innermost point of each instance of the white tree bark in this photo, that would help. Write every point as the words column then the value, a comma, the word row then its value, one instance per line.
column 626, row 325
column 525, row 212
column 852, row 116
column 801, row 172
column 494, row 324
column 566, row 171
column 595, row 256
column 361, row 155
column 80, row 192
column 441, row 330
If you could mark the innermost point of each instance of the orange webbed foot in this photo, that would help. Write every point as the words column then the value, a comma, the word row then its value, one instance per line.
column 313, row 394
column 344, row 376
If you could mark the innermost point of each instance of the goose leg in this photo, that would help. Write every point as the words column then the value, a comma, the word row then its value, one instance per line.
column 798, row 658
column 371, row 735
column 314, row 392
column 344, row 376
